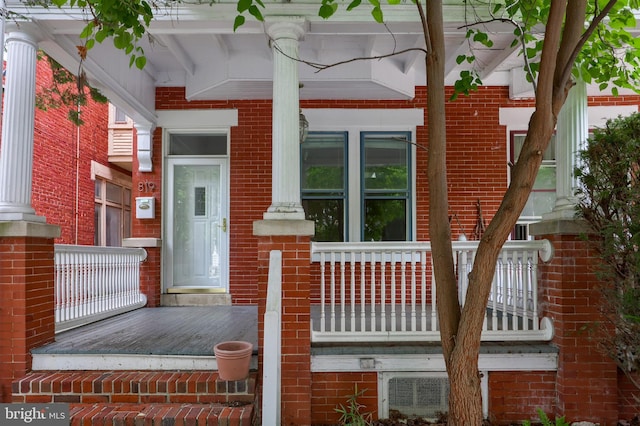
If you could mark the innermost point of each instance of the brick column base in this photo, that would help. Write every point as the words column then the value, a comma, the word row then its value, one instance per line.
column 296, row 311
column 27, row 281
column 587, row 384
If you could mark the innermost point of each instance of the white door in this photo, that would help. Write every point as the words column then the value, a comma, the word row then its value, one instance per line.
column 197, row 225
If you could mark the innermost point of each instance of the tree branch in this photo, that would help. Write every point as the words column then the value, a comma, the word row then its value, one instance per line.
column 566, row 70
column 320, row 67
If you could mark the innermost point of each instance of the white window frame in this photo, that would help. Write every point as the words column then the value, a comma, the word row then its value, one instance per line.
column 108, row 175
column 354, row 122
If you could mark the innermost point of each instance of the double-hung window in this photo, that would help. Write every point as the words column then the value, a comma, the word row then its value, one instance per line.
column 358, row 189
column 112, row 206
column 543, row 194
column 324, row 183
column 112, row 213
column 385, row 186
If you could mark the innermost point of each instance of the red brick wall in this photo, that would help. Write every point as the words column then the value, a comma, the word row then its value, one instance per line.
column 477, row 164
column 149, row 184
column 296, row 335
column 515, row 396
column 628, row 395
column 586, row 379
column 63, row 191
column 330, row 390
column 26, row 315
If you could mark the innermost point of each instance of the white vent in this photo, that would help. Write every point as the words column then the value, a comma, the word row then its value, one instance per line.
column 417, row 394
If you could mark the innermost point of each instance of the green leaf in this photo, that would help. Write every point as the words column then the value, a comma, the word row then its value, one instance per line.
column 243, row 5
column 87, row 30
column 119, row 42
column 141, row 61
column 90, row 43
column 327, row 10
column 255, row 12
column 496, row 8
column 354, row 4
column 377, row 14
column 460, row 59
column 101, row 35
column 238, row 22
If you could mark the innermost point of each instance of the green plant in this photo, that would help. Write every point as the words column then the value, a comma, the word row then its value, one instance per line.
column 544, row 419
column 351, row 414
column 609, row 201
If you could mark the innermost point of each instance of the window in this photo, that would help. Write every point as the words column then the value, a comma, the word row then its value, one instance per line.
column 112, row 217
column 543, row 195
column 324, row 185
column 357, row 191
column 386, row 186
column 120, row 116
column 197, row 144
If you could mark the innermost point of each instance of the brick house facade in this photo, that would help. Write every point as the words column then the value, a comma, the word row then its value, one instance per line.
column 478, row 157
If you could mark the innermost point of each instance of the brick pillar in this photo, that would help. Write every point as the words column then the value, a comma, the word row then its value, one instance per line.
column 586, row 385
column 26, row 290
column 293, row 238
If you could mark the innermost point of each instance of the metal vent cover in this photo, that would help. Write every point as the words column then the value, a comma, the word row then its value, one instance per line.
column 419, row 396
column 422, row 394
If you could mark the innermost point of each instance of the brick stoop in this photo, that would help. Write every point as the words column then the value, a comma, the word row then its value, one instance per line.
column 160, row 415
column 142, row 398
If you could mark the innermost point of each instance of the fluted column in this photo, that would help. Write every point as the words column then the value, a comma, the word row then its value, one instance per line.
column 16, row 155
column 571, row 135
column 285, row 188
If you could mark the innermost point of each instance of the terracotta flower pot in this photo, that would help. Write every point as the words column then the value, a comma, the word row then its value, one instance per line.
column 234, row 359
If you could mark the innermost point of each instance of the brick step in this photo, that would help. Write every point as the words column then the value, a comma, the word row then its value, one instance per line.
column 132, row 387
column 161, row 414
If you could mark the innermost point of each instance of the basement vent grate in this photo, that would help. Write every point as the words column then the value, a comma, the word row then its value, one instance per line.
column 419, row 396
column 419, row 393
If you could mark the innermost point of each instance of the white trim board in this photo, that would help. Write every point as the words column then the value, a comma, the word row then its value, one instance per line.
column 431, row 362
column 197, row 118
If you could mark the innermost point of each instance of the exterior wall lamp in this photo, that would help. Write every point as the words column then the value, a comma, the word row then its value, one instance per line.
column 304, row 127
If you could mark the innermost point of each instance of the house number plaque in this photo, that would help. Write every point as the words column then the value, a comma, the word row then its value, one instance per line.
column 146, row 186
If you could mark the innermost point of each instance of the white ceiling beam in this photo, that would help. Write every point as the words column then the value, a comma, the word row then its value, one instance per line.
column 181, row 55
column 498, row 59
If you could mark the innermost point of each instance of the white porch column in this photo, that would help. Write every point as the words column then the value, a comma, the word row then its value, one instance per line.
column 285, row 188
column 16, row 155
column 571, row 135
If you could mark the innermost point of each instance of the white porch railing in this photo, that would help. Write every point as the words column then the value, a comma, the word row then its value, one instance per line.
column 93, row 283
column 272, row 362
column 385, row 292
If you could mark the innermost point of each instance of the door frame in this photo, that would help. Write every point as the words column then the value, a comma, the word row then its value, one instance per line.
column 167, row 273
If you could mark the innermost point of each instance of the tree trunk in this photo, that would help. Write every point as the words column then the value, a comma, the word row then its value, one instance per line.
column 460, row 330
column 465, row 402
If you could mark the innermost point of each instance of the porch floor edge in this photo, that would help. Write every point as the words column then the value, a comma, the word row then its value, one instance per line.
column 94, row 362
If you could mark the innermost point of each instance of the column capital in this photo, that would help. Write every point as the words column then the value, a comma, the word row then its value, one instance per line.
column 21, row 36
column 292, row 27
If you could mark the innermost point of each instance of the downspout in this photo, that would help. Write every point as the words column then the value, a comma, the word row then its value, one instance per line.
column 77, row 204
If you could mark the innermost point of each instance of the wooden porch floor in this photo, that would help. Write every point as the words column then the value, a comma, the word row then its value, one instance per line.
column 163, row 333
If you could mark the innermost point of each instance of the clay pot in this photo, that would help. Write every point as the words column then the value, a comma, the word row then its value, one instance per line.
column 234, row 359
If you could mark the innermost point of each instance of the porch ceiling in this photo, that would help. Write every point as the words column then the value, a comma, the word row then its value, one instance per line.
column 193, row 45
